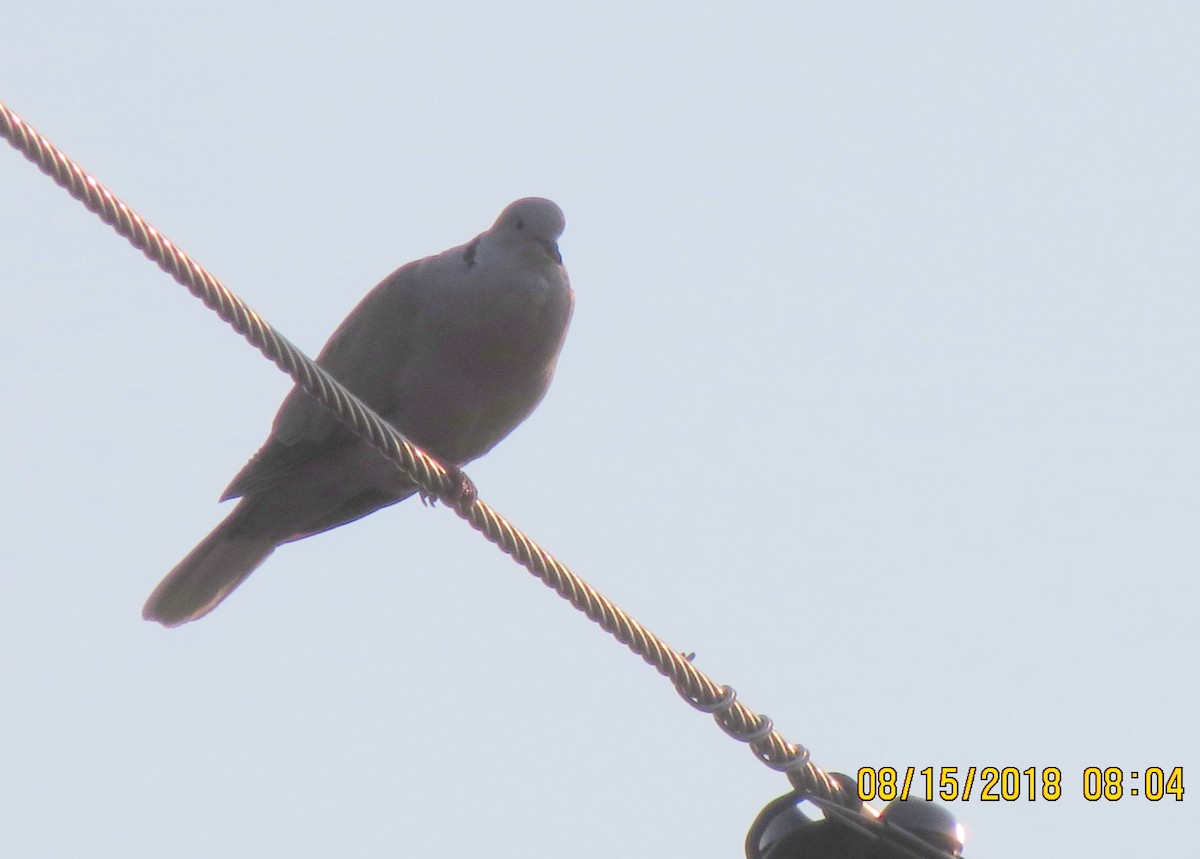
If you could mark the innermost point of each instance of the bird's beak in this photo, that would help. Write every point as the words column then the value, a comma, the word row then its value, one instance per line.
column 552, row 249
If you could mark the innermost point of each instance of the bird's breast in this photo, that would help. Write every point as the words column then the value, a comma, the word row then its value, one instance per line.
column 514, row 327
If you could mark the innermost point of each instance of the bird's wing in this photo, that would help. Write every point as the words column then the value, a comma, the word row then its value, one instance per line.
column 366, row 354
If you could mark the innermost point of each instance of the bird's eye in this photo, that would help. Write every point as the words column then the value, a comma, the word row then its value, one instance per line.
column 520, row 223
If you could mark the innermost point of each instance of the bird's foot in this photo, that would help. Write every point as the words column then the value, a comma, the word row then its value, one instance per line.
column 461, row 496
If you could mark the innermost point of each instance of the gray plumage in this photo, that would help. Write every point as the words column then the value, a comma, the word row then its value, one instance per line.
column 453, row 350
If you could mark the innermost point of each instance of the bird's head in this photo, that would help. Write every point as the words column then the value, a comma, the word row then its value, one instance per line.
column 530, row 226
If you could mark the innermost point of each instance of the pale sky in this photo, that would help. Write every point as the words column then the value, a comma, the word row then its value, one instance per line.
column 880, row 396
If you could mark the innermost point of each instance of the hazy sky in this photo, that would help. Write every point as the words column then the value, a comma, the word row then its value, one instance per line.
column 881, row 396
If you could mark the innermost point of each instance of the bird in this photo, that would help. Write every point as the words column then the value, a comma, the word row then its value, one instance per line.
column 453, row 350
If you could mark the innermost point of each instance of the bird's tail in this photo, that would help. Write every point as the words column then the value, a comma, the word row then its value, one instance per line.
column 210, row 572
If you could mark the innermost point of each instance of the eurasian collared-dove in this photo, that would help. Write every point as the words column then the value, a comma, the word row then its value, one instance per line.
column 453, row 350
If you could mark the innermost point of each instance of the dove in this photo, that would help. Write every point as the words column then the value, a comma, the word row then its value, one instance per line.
column 454, row 351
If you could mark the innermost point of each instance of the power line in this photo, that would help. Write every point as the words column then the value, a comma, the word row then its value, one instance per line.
column 695, row 687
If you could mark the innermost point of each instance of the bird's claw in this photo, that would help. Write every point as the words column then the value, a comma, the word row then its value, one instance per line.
column 461, row 496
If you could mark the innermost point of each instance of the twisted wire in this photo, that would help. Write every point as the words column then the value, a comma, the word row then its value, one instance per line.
column 699, row 690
